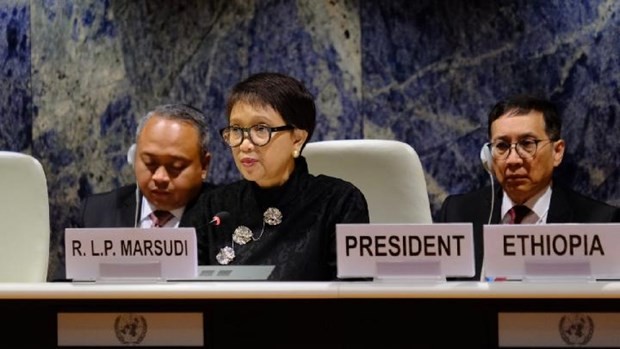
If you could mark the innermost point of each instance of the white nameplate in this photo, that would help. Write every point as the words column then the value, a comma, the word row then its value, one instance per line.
column 130, row 253
column 552, row 251
column 130, row 329
column 405, row 251
column 558, row 330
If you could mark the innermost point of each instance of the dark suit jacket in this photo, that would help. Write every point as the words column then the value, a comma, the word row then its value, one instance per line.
column 119, row 208
column 116, row 209
column 566, row 206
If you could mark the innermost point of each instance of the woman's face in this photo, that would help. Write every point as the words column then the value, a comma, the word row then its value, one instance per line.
column 269, row 165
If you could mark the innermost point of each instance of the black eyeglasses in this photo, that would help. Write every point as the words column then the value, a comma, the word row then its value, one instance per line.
column 525, row 148
column 259, row 135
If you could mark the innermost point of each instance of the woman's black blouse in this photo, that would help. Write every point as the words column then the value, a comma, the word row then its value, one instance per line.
column 303, row 245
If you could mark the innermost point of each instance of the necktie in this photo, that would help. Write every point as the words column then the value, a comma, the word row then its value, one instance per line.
column 517, row 213
column 160, row 218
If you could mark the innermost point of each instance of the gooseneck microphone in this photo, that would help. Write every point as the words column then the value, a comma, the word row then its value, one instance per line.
column 219, row 217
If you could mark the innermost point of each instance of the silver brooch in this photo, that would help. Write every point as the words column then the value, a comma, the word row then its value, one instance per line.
column 226, row 255
column 242, row 235
column 272, row 216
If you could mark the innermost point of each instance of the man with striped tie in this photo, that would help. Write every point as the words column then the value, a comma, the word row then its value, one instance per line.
column 524, row 149
column 170, row 160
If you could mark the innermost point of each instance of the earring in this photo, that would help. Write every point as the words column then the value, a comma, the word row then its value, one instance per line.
column 295, row 154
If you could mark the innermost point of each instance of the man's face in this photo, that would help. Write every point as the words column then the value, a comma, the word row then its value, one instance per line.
column 168, row 166
column 521, row 177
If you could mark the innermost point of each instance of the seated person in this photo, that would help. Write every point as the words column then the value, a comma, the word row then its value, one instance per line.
column 525, row 147
column 170, row 162
column 279, row 213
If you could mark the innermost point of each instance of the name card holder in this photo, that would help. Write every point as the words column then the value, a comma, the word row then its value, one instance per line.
column 405, row 252
column 555, row 271
column 147, row 329
column 552, row 252
column 409, row 271
column 130, row 254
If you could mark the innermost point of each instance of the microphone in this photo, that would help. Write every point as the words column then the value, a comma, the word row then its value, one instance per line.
column 217, row 219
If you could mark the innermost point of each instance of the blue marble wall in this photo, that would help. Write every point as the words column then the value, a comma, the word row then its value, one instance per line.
column 77, row 75
column 16, row 107
column 433, row 69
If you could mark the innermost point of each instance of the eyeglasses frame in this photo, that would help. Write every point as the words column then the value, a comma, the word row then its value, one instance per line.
column 515, row 145
column 247, row 130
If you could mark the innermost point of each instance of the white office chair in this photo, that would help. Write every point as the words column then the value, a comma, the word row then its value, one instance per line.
column 24, row 219
column 388, row 172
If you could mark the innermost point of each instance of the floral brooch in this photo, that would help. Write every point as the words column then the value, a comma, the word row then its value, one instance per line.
column 242, row 235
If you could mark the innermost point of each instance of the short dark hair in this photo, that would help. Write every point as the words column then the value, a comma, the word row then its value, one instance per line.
column 286, row 95
column 184, row 113
column 523, row 104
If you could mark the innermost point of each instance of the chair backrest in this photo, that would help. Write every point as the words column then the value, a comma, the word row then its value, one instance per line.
column 388, row 172
column 24, row 219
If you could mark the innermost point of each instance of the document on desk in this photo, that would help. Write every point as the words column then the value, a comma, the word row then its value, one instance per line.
column 552, row 251
column 130, row 253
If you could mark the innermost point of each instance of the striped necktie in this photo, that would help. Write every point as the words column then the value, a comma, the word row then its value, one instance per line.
column 517, row 213
column 160, row 218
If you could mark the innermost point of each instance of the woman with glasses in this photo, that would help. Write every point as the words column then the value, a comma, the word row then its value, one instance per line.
column 279, row 214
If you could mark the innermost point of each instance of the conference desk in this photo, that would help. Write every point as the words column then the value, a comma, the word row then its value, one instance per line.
column 309, row 314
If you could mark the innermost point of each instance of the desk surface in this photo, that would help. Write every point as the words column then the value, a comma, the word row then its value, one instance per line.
column 310, row 290
column 312, row 314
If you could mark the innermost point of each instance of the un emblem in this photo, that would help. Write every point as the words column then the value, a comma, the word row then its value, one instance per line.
column 130, row 328
column 576, row 329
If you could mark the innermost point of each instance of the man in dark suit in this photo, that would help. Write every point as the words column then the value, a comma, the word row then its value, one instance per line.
column 524, row 150
column 170, row 160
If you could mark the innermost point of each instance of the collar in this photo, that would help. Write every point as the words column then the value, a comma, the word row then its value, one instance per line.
column 148, row 208
column 287, row 192
column 539, row 204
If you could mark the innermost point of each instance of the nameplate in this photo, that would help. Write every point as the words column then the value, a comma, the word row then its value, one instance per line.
column 130, row 329
column 552, row 251
column 405, row 251
column 130, row 253
column 559, row 330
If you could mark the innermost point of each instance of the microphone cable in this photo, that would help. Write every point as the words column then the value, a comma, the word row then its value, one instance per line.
column 138, row 206
column 492, row 198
